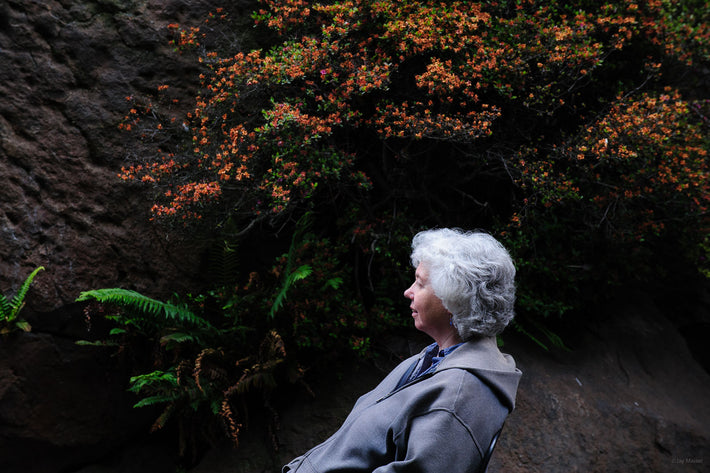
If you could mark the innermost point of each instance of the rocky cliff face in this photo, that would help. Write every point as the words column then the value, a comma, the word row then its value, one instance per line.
column 65, row 70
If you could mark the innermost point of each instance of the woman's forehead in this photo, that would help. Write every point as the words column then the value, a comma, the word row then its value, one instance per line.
column 422, row 272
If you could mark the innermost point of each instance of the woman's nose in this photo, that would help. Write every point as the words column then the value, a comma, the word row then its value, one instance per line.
column 408, row 292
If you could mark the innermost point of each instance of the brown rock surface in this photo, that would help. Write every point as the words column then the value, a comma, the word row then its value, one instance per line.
column 66, row 68
column 629, row 398
column 59, row 405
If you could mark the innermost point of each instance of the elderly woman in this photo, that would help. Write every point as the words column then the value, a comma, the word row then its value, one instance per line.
column 438, row 411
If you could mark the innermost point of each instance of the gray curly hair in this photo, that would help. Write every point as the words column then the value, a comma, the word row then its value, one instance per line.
column 473, row 275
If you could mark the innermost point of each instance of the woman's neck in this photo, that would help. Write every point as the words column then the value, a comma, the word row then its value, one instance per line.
column 448, row 340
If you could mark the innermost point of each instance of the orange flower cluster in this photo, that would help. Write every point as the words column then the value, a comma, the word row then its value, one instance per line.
column 311, row 127
column 658, row 147
column 186, row 197
column 644, row 162
column 439, row 80
column 185, row 38
column 404, row 122
column 271, row 123
column 418, row 27
column 680, row 28
column 548, row 54
column 292, row 61
column 290, row 13
column 150, row 172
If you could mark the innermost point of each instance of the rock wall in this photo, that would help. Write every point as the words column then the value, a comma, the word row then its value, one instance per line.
column 60, row 407
column 66, row 68
column 629, row 398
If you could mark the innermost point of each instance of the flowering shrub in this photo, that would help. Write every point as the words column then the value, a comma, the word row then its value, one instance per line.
column 642, row 165
column 564, row 127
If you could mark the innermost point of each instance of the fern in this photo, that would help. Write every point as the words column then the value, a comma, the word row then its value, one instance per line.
column 163, row 418
column 10, row 308
column 5, row 308
column 157, row 399
column 172, row 339
column 223, row 264
column 302, row 272
column 96, row 343
column 552, row 337
column 333, row 283
column 19, row 300
column 158, row 377
column 141, row 304
column 255, row 379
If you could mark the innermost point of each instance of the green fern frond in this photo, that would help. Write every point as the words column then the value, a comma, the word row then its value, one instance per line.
column 516, row 325
column 333, row 283
column 162, row 386
column 224, row 263
column 157, row 399
column 554, row 338
column 136, row 301
column 302, row 272
column 154, row 380
column 177, row 337
column 5, row 308
column 302, row 227
column 19, row 298
column 551, row 336
column 97, row 343
column 10, row 308
column 23, row 325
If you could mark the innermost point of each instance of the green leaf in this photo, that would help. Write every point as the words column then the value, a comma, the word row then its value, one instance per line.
column 23, row 325
column 97, row 343
column 135, row 301
column 333, row 283
column 156, row 379
column 177, row 337
column 5, row 308
column 18, row 301
column 157, row 399
column 302, row 272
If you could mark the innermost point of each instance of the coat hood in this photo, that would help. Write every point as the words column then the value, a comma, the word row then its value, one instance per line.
column 482, row 358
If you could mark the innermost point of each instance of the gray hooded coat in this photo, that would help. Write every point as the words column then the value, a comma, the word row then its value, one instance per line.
column 441, row 422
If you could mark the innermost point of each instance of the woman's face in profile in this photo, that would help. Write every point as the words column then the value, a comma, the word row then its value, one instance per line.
column 428, row 311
